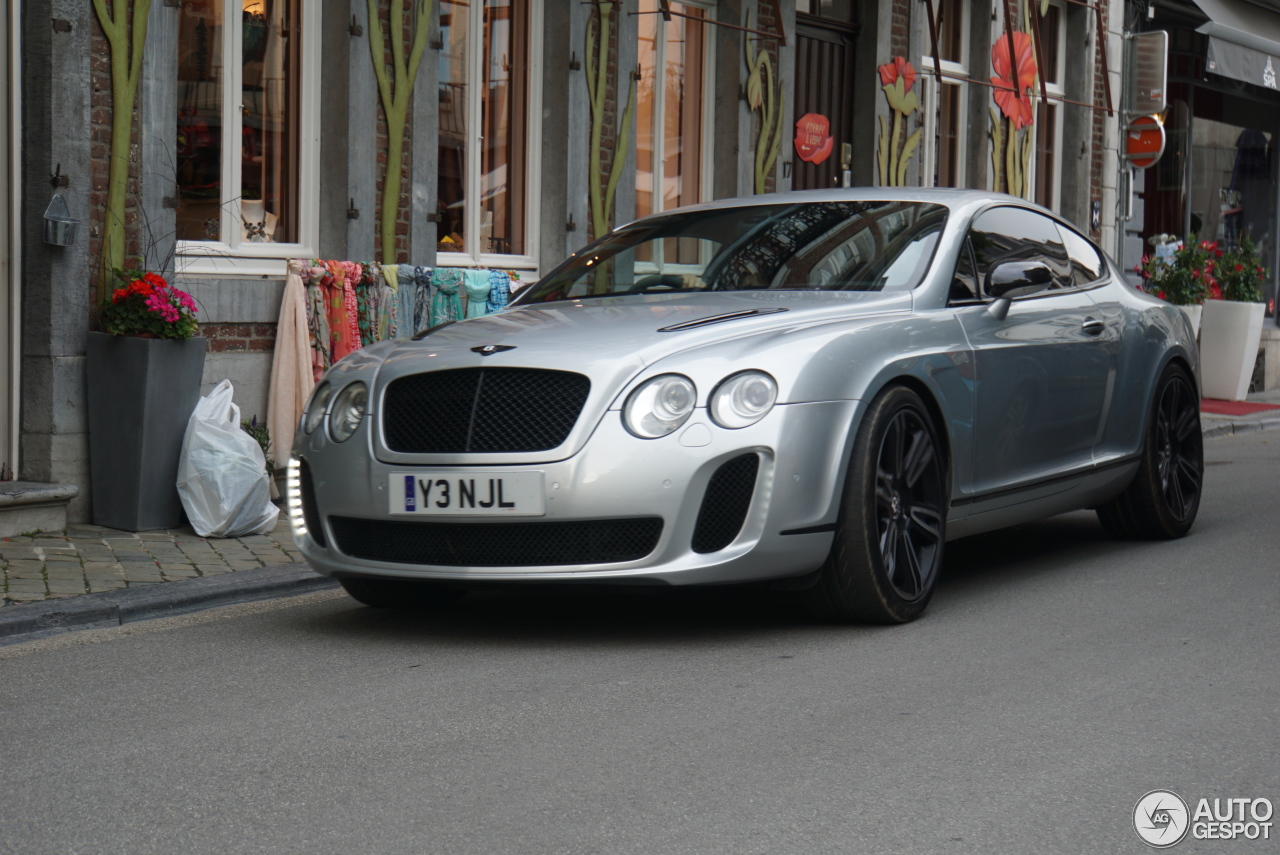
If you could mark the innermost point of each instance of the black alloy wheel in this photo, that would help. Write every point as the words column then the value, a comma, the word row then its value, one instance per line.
column 887, row 551
column 1179, row 449
column 909, row 503
column 1163, row 499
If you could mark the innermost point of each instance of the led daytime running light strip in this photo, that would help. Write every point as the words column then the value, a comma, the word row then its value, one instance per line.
column 293, row 497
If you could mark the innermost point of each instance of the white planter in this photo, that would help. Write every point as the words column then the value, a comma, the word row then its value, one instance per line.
column 1193, row 314
column 1229, row 337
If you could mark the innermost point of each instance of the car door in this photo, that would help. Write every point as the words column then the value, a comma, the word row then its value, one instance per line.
column 1041, row 374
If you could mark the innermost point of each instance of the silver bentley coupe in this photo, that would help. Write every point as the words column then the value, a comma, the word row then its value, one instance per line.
column 814, row 389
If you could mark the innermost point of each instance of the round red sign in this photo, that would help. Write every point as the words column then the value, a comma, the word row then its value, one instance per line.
column 1144, row 141
column 813, row 138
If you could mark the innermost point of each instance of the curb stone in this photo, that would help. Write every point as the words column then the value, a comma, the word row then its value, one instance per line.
column 1230, row 428
column 25, row 622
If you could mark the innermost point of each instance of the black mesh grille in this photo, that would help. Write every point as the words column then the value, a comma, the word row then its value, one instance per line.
column 523, row 544
column 482, row 410
column 310, row 514
column 724, row 507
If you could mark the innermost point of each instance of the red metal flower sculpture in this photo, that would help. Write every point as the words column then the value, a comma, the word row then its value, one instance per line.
column 1016, row 105
column 891, row 71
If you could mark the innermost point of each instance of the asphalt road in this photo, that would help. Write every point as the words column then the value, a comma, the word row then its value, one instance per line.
column 1057, row 677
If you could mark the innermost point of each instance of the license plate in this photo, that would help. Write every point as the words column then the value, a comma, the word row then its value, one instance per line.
column 519, row 494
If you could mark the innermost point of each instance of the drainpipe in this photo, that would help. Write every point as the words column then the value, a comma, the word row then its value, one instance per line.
column 14, row 333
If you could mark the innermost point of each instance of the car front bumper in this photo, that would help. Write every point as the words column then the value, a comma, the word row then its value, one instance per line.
column 801, row 449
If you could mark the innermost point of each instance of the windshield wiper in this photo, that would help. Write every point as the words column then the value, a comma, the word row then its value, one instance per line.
column 715, row 319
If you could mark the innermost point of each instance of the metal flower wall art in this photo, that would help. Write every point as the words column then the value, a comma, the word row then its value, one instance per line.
column 767, row 98
column 897, row 78
column 1012, row 134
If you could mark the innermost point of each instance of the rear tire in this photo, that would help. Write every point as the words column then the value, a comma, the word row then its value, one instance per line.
column 889, row 539
column 1163, row 499
column 400, row 594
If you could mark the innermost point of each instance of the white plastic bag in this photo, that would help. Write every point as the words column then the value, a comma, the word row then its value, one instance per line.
column 222, row 476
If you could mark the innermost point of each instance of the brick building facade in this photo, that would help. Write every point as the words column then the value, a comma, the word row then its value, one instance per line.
column 496, row 166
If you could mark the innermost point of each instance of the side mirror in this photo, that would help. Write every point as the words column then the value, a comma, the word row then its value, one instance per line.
column 1012, row 279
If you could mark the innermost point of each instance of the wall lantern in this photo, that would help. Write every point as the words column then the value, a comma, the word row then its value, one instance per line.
column 59, row 226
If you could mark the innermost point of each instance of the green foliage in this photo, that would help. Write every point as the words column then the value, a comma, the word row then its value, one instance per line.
column 263, row 438
column 1241, row 274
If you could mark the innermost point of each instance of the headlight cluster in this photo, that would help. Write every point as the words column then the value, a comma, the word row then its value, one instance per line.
column 661, row 405
column 344, row 416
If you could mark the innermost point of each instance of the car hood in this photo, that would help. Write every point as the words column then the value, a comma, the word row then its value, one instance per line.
column 579, row 335
column 611, row 340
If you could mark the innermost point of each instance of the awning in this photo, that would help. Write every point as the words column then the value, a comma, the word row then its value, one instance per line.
column 1244, row 41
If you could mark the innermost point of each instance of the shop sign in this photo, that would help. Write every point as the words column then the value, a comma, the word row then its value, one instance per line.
column 1144, row 141
column 1147, row 72
column 813, row 138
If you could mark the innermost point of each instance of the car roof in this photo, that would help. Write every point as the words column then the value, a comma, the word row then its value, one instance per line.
column 939, row 196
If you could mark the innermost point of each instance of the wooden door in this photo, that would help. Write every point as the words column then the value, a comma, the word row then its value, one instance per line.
column 824, row 86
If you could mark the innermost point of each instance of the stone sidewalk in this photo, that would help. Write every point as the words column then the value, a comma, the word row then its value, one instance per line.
column 86, row 559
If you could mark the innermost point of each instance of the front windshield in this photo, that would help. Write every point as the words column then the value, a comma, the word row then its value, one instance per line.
column 800, row 246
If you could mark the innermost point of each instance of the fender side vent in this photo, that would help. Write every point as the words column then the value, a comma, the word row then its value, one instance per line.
column 725, row 505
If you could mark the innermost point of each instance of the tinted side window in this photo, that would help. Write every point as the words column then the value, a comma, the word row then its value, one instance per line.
column 964, row 284
column 1086, row 260
column 1016, row 234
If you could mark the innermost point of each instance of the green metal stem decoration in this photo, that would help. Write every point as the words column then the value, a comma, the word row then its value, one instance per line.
column 125, row 43
column 396, row 94
column 897, row 78
column 601, row 196
column 768, row 99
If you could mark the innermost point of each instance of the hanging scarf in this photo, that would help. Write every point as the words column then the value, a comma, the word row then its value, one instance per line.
column 423, row 294
column 406, row 324
column 476, row 283
column 499, row 290
column 446, row 302
column 318, row 322
column 336, row 309
column 291, row 370
column 366, row 306
column 351, row 275
column 385, row 303
column 391, row 282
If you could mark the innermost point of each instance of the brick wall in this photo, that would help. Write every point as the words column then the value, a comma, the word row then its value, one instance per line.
column 406, row 164
column 240, row 338
column 1100, row 117
column 899, row 28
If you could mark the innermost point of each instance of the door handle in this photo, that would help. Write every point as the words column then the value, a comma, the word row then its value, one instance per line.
column 1093, row 326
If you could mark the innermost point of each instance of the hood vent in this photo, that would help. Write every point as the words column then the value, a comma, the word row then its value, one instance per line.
column 715, row 319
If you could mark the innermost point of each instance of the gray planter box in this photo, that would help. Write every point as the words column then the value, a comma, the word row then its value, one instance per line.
column 141, row 395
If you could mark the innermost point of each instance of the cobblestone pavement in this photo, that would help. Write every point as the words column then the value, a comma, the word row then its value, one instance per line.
column 85, row 559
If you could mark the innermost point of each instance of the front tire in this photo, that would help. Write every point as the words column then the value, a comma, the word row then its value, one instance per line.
column 887, row 553
column 1163, row 499
column 400, row 594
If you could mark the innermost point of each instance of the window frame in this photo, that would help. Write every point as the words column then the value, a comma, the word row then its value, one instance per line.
column 241, row 257
column 953, row 73
column 1056, row 91
column 475, row 138
column 707, row 162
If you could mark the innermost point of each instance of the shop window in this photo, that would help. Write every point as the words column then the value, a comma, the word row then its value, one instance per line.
column 489, row 107
column 671, row 118
column 945, row 100
column 247, row 132
column 1047, row 177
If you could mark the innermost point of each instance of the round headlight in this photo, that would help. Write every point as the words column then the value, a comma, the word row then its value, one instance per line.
column 348, row 410
column 743, row 399
column 659, row 406
column 315, row 412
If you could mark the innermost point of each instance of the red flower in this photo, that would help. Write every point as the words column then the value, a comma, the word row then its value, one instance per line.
column 891, row 71
column 1215, row 292
column 1160, row 294
column 1239, row 267
column 1015, row 105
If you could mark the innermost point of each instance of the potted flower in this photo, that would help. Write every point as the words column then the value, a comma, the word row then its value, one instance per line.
column 144, row 376
column 1180, row 273
column 1232, row 325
